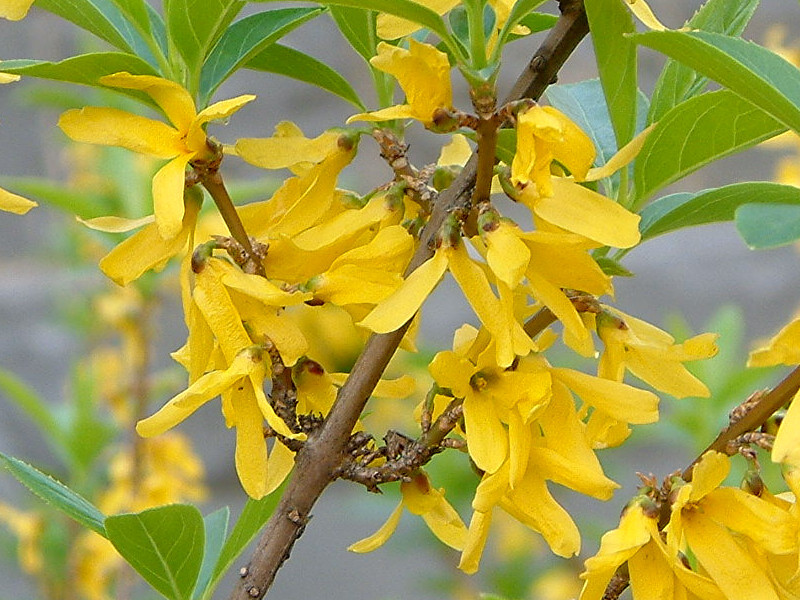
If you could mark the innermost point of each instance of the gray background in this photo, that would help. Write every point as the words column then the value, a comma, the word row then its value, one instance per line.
column 692, row 273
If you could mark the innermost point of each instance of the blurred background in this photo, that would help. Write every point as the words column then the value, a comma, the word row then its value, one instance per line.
column 689, row 281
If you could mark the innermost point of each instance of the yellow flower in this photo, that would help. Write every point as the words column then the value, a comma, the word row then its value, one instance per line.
column 420, row 498
column 28, row 528
column 711, row 520
column 651, row 354
column 423, row 73
column 182, row 142
column 14, row 10
column 391, row 27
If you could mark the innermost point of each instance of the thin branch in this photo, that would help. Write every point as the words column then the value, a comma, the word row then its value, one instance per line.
column 317, row 462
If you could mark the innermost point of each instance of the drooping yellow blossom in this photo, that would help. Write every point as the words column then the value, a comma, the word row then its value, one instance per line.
column 390, row 27
column 423, row 73
column 182, row 142
column 651, row 354
column 782, row 349
column 711, row 520
column 543, row 135
column 654, row 573
column 14, row 10
column 420, row 498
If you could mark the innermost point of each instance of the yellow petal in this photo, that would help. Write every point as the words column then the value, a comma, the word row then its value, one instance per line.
column 351, row 284
column 402, row 387
column 113, row 127
column 8, row 77
column 651, row 574
column 621, row 159
column 390, row 27
column 653, row 366
column 391, row 248
column 618, row 545
column 14, row 203
column 113, row 224
column 268, row 413
column 554, row 298
column 174, row 99
column 507, row 255
column 345, row 223
column 196, row 136
column 14, row 10
column 398, row 308
column 645, row 14
column 573, row 149
column 379, row 538
column 618, row 399
column 259, row 288
column 708, row 474
column 281, row 463
column 580, row 210
column 252, row 461
column 201, row 391
column 452, row 371
column 476, row 541
column 282, row 151
column 487, row 439
column 456, row 152
column 787, row 439
column 168, row 186
column 783, row 349
column 729, row 565
column 400, row 111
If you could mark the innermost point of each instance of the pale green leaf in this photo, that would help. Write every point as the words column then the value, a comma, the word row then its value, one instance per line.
column 216, row 527
column 245, row 39
column 83, row 69
column 289, row 62
column 768, row 225
column 695, row 133
column 681, row 210
column 358, row 28
column 678, row 82
column 56, row 493
column 164, row 545
column 136, row 12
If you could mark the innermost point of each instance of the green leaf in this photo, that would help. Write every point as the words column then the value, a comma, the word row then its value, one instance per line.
column 136, row 12
column 84, row 69
column 245, row 39
column 34, row 406
column 756, row 74
column 83, row 204
column 254, row 515
column 358, row 27
column 521, row 10
column 56, row 493
column 289, row 62
column 103, row 19
column 768, row 225
column 216, row 527
column 83, row 416
column 195, row 27
column 678, row 82
column 612, row 267
column 681, row 210
column 610, row 24
column 697, row 132
column 164, row 545
column 405, row 9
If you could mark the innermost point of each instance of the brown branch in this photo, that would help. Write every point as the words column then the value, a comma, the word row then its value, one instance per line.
column 317, row 462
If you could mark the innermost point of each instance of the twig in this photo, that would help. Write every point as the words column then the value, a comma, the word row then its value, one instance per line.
column 317, row 462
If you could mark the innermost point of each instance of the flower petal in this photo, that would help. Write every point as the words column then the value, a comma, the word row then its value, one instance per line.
column 114, row 224
column 379, row 538
column 477, row 534
column 14, row 203
column 168, row 186
column 487, row 440
column 252, row 460
column 173, row 98
column 788, row 437
column 196, row 136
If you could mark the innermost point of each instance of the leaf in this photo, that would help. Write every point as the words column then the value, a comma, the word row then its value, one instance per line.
column 678, row 211
column 34, row 406
column 83, row 204
column 754, row 73
column 245, row 39
column 610, row 23
column 84, row 69
column 697, row 132
column 358, row 27
column 194, row 27
column 289, row 62
column 768, row 225
column 254, row 515
column 103, row 19
column 57, row 494
column 678, row 82
column 136, row 12
column 521, row 10
column 216, row 527
column 164, row 545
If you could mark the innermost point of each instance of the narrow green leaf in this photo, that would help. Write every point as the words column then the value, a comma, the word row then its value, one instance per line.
column 677, row 211
column 678, row 82
column 254, row 515
column 697, row 132
column 297, row 65
column 358, row 27
column 405, row 9
column 610, row 24
column 194, row 27
column 84, row 69
column 768, row 225
column 521, row 10
column 164, row 545
column 612, row 267
column 245, row 39
column 56, row 493
column 753, row 72
column 103, row 19
column 216, row 527
column 136, row 12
